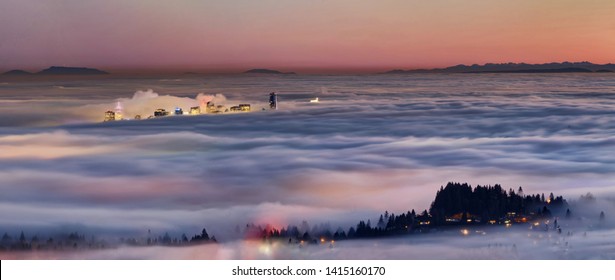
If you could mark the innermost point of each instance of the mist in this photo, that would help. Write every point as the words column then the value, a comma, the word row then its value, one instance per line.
column 372, row 143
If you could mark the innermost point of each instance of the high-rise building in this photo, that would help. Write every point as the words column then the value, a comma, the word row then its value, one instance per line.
column 273, row 101
column 118, row 111
column 244, row 107
column 109, row 116
column 195, row 110
column 213, row 109
column 160, row 113
column 240, row 108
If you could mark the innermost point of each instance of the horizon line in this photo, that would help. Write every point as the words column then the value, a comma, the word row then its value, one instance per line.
column 143, row 70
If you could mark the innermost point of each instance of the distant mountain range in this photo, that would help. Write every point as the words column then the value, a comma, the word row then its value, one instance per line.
column 554, row 67
column 58, row 70
column 267, row 71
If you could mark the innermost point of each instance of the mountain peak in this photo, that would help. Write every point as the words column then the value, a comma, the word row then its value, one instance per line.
column 61, row 70
column 266, row 71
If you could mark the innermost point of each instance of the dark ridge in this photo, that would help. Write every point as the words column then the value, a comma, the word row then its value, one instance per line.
column 559, row 70
column 554, row 67
column 17, row 72
column 396, row 71
column 60, row 70
column 604, row 71
column 267, row 71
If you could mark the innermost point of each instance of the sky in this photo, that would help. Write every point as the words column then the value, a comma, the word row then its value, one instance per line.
column 301, row 35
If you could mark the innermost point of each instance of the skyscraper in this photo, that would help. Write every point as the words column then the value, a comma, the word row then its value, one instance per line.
column 160, row 113
column 109, row 116
column 118, row 112
column 273, row 101
column 195, row 110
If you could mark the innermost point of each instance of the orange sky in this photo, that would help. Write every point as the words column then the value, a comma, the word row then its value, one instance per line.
column 302, row 34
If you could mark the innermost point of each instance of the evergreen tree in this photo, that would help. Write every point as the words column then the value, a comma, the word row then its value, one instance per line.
column 166, row 239
column 351, row 232
column 6, row 237
column 306, row 237
column 546, row 212
column 381, row 223
column 204, row 234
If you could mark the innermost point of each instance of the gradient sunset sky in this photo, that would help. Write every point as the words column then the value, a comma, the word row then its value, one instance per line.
column 309, row 35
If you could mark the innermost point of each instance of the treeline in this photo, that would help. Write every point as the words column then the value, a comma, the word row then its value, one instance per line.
column 76, row 240
column 69, row 241
column 487, row 203
column 454, row 204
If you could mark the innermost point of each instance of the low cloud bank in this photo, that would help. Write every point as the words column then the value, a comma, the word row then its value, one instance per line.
column 371, row 144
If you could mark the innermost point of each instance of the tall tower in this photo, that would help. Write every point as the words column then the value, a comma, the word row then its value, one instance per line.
column 273, row 101
column 118, row 111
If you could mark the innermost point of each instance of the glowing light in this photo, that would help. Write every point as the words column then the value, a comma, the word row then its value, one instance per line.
column 315, row 100
column 265, row 249
column 465, row 231
column 322, row 240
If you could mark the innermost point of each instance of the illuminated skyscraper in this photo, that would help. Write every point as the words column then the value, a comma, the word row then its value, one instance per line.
column 118, row 111
column 160, row 113
column 273, row 101
column 213, row 109
column 244, row 107
column 195, row 110
column 109, row 116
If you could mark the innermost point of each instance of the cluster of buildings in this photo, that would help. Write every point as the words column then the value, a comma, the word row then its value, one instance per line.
column 210, row 108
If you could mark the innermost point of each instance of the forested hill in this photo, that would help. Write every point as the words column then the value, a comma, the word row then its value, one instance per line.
column 458, row 201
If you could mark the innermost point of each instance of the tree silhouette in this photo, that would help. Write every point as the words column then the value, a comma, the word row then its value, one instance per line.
column 306, row 237
column 6, row 238
column 204, row 237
